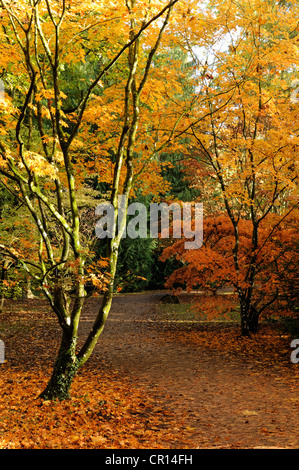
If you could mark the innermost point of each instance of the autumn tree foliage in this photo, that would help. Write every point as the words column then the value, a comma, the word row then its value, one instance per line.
column 243, row 146
column 81, row 102
column 212, row 266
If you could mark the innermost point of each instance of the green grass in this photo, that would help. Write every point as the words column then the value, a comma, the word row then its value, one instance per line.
column 185, row 313
column 176, row 312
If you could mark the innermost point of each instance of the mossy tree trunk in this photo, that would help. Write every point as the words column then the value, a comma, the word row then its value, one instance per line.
column 4, row 274
column 64, row 371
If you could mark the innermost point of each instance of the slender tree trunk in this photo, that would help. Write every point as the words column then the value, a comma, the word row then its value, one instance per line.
column 64, row 371
column 249, row 317
column 67, row 364
column 1, row 303
column 4, row 270
column 253, row 319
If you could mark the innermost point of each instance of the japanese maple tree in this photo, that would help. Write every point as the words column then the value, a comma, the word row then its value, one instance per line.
column 57, row 132
column 243, row 154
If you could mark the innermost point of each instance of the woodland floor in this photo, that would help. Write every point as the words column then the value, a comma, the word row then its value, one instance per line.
column 151, row 382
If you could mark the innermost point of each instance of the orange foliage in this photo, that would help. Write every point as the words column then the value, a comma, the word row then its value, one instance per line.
column 213, row 265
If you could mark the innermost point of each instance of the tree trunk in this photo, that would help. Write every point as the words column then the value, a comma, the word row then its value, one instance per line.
column 249, row 320
column 4, row 271
column 64, row 371
column 253, row 319
column 1, row 303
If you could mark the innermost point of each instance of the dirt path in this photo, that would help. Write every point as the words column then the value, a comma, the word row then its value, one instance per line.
column 223, row 400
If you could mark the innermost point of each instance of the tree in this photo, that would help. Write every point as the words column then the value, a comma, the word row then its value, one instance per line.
column 212, row 266
column 45, row 165
column 243, row 153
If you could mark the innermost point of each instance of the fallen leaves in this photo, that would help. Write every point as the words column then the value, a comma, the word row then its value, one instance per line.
column 105, row 410
column 270, row 346
column 102, row 413
column 108, row 411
